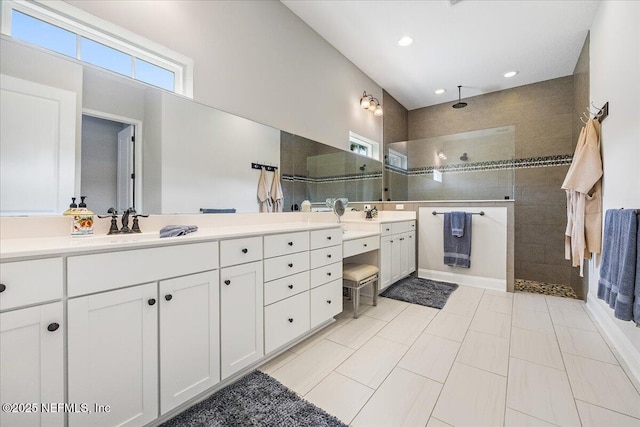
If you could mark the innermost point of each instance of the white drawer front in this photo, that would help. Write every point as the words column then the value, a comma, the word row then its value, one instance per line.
column 324, row 238
column 325, row 256
column 358, row 246
column 285, row 320
column 403, row 227
column 320, row 276
column 286, row 265
column 326, row 302
column 240, row 251
column 280, row 289
column 385, row 229
column 100, row 272
column 282, row 244
column 30, row 282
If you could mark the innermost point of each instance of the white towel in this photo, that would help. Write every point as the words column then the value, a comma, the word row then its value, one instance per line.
column 276, row 192
column 263, row 192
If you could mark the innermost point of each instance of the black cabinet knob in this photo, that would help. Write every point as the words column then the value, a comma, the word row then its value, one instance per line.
column 168, row 297
column 290, row 243
column 53, row 327
column 388, row 229
column 245, row 250
column 151, row 301
column 328, row 273
column 365, row 245
column 290, row 265
column 329, row 256
column 328, row 237
column 2, row 287
column 227, row 282
column 290, row 319
column 328, row 301
column 290, row 286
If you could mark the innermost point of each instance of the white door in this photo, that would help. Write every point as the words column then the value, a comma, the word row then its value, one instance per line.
column 189, row 337
column 113, row 356
column 385, row 261
column 125, row 182
column 411, row 238
column 31, row 364
column 241, row 316
column 37, row 147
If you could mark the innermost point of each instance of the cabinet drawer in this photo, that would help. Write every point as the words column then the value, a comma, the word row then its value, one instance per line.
column 285, row 320
column 326, row 302
column 240, row 251
column 280, row 289
column 326, row 256
column 282, row 244
column 99, row 272
column 30, row 282
column 324, row 238
column 385, row 229
column 358, row 246
column 275, row 268
column 322, row 275
column 403, row 227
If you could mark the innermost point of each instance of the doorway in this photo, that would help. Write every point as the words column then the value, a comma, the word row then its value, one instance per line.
column 108, row 167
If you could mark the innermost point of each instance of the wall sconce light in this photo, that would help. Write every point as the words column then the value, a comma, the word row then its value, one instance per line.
column 368, row 102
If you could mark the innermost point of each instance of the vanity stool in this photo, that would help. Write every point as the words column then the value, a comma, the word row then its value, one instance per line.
column 357, row 276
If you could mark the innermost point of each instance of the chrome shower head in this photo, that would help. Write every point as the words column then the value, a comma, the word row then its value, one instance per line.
column 459, row 104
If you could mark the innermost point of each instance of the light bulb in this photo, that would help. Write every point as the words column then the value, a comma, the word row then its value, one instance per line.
column 365, row 102
column 373, row 105
column 377, row 111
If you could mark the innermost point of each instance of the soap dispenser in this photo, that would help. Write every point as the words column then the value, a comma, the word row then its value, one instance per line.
column 82, row 224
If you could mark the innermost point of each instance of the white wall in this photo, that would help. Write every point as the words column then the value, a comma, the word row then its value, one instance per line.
column 488, row 248
column 615, row 71
column 258, row 60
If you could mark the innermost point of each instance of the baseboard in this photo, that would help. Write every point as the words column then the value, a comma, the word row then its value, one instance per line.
column 463, row 279
column 627, row 351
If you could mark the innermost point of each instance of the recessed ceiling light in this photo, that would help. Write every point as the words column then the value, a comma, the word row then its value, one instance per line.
column 405, row 41
column 440, row 91
column 511, row 73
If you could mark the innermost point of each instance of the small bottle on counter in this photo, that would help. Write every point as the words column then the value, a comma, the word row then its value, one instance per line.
column 82, row 218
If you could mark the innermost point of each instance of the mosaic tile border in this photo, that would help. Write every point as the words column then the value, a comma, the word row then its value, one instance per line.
column 529, row 162
column 324, row 180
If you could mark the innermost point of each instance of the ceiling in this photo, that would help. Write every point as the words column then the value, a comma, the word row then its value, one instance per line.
column 471, row 43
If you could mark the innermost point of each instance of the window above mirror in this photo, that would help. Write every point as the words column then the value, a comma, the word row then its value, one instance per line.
column 66, row 30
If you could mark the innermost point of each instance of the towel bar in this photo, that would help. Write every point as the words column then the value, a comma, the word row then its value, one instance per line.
column 481, row 213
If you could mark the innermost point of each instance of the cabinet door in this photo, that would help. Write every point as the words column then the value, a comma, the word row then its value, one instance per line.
column 411, row 239
column 396, row 258
column 403, row 241
column 385, row 261
column 31, row 364
column 241, row 316
column 113, row 356
column 189, row 337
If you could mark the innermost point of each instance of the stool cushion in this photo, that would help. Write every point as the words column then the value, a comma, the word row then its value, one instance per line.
column 358, row 272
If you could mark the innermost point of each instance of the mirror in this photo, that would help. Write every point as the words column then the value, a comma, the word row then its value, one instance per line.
column 314, row 171
column 184, row 156
column 474, row 165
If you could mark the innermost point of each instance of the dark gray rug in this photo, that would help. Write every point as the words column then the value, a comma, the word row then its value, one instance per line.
column 255, row 400
column 421, row 291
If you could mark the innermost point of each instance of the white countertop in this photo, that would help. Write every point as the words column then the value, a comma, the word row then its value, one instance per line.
column 49, row 246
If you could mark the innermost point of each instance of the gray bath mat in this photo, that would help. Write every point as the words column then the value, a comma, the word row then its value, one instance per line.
column 421, row 291
column 255, row 400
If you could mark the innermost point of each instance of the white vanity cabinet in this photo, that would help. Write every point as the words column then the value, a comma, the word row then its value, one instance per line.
column 31, row 364
column 241, row 320
column 113, row 356
column 31, row 341
column 397, row 251
column 325, row 297
column 189, row 337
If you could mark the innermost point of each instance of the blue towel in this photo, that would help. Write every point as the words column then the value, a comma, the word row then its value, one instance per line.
column 619, row 284
column 457, row 223
column 457, row 250
column 177, row 230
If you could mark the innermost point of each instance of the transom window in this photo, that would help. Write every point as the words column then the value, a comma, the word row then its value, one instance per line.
column 364, row 146
column 52, row 29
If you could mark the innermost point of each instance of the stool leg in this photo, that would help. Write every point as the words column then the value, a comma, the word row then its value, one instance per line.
column 356, row 302
column 375, row 292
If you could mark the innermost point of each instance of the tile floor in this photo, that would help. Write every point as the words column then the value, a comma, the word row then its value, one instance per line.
column 487, row 359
